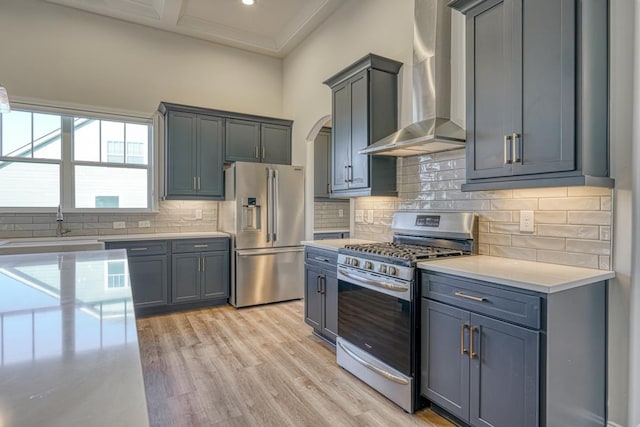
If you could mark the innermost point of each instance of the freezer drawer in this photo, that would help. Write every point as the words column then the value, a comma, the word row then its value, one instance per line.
column 268, row 275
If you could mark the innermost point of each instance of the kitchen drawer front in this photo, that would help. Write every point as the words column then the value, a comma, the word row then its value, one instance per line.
column 512, row 306
column 141, row 247
column 200, row 245
column 321, row 257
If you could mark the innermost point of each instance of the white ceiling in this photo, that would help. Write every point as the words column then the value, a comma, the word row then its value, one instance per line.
column 272, row 27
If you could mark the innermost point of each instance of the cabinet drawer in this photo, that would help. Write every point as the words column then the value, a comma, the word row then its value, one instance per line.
column 141, row 247
column 512, row 306
column 321, row 257
column 200, row 245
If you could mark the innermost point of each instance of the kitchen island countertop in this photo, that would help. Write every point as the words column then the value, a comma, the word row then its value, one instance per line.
column 334, row 244
column 534, row 276
column 70, row 352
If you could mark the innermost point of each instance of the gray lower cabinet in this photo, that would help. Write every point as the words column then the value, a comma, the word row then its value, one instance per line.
column 321, row 292
column 336, row 235
column 365, row 106
column 536, row 93
column 253, row 141
column 199, row 270
column 166, row 275
column 496, row 356
column 148, row 271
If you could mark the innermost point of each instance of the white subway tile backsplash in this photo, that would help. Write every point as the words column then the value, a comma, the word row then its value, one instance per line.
column 570, row 204
column 574, row 231
column 572, row 224
column 589, row 218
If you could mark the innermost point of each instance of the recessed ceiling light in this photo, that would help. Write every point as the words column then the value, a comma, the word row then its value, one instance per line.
column 248, row 2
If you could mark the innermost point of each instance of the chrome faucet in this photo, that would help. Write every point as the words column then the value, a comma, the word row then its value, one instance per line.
column 60, row 231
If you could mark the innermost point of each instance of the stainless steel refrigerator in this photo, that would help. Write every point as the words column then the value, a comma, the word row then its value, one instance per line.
column 264, row 212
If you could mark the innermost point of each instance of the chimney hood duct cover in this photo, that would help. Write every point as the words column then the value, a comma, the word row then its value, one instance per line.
column 432, row 130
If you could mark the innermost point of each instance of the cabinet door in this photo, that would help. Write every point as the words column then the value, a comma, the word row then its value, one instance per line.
column 185, row 277
column 181, row 154
column 215, row 274
column 275, row 144
column 330, row 304
column 504, row 374
column 148, row 276
column 359, row 166
column 489, row 89
column 312, row 297
column 341, row 137
column 210, row 157
column 321, row 164
column 544, row 71
column 445, row 360
column 242, row 140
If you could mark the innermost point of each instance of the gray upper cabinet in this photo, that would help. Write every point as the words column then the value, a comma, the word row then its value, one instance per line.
column 254, row 141
column 322, row 164
column 194, row 155
column 536, row 93
column 365, row 109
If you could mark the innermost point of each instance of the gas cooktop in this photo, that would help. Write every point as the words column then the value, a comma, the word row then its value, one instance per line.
column 413, row 253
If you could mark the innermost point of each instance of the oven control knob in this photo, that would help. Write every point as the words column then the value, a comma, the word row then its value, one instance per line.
column 368, row 265
column 393, row 271
column 347, row 260
column 382, row 268
column 355, row 262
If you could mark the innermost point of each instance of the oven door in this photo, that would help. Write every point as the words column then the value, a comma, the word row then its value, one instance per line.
column 374, row 314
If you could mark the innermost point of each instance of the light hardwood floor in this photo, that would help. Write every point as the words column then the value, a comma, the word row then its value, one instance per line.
column 257, row 366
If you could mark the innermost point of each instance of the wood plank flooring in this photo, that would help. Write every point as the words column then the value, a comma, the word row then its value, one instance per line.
column 257, row 366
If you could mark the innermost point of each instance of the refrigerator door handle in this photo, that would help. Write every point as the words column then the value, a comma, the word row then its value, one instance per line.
column 269, row 203
column 276, row 200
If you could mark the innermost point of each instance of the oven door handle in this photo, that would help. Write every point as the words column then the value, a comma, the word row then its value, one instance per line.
column 379, row 371
column 379, row 284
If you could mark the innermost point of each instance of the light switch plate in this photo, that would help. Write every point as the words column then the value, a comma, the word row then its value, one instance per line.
column 359, row 216
column 340, row 213
column 119, row 224
column 144, row 224
column 198, row 213
column 526, row 221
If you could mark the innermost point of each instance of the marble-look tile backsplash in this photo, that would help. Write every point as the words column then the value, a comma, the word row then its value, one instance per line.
column 173, row 216
column 327, row 215
column 572, row 225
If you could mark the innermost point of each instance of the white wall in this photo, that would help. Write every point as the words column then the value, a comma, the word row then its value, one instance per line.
column 355, row 29
column 61, row 54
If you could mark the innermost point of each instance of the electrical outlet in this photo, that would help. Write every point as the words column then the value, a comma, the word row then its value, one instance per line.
column 370, row 216
column 340, row 213
column 198, row 213
column 144, row 224
column 526, row 221
column 119, row 224
column 359, row 216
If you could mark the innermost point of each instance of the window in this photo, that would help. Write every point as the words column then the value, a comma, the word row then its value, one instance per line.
column 116, row 274
column 79, row 162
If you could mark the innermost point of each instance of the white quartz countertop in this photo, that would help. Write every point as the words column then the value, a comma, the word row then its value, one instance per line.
column 69, row 342
column 162, row 236
column 330, row 230
column 535, row 276
column 334, row 244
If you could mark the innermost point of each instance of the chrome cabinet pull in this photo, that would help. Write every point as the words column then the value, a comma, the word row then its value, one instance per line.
column 200, row 246
column 317, row 284
column 264, row 152
column 463, row 350
column 323, row 284
column 381, row 372
column 198, row 183
column 514, row 142
column 194, row 183
column 203, row 265
column 317, row 258
column 507, row 159
column 472, row 354
column 471, row 297
column 329, row 188
column 346, row 174
column 255, row 152
column 350, row 173
column 198, row 263
column 138, row 249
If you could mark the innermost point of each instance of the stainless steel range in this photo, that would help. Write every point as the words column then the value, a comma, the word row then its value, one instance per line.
column 378, row 296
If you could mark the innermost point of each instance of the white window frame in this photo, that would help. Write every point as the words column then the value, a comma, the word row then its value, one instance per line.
column 67, row 164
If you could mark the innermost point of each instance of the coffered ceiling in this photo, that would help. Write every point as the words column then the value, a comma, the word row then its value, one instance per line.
column 272, row 27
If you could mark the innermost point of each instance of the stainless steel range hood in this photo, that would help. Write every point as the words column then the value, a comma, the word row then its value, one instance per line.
column 432, row 130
